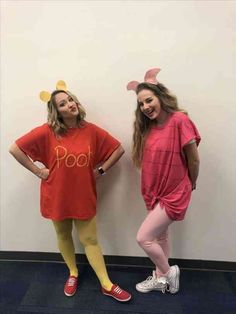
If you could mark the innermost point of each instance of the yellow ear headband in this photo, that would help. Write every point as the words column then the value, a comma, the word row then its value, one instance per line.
column 46, row 96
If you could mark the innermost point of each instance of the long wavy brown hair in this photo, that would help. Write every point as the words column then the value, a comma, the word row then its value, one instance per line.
column 54, row 119
column 143, row 124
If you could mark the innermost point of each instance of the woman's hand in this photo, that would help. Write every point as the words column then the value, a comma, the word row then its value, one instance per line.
column 43, row 173
column 25, row 161
column 96, row 174
column 193, row 161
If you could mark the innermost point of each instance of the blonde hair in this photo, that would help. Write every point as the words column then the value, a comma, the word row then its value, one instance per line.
column 54, row 119
column 142, row 124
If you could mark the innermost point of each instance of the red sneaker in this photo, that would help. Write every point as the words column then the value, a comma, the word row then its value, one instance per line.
column 71, row 286
column 117, row 293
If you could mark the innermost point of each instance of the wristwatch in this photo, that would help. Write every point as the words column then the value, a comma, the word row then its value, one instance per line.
column 101, row 171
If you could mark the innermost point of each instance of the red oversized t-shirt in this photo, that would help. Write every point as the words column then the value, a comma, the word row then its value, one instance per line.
column 165, row 176
column 70, row 189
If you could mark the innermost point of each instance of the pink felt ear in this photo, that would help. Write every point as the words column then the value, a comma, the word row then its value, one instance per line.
column 150, row 76
column 132, row 85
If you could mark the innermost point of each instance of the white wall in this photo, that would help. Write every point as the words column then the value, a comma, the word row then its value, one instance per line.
column 97, row 47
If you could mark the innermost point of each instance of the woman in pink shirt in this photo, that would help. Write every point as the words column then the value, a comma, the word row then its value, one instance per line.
column 165, row 144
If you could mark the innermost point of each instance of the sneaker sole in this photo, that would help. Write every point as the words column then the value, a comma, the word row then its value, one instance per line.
column 146, row 291
column 175, row 290
column 69, row 295
column 123, row 300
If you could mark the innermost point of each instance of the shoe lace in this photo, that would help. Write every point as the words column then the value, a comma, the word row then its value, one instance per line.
column 71, row 282
column 148, row 280
column 167, row 287
column 163, row 284
column 118, row 290
column 151, row 281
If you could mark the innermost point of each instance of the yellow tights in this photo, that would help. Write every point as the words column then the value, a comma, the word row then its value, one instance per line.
column 87, row 232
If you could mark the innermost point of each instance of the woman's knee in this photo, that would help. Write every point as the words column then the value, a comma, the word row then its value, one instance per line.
column 142, row 239
column 87, row 239
column 139, row 238
column 87, row 231
column 63, row 230
column 64, row 235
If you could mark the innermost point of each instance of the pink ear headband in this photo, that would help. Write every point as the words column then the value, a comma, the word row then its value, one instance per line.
column 150, row 77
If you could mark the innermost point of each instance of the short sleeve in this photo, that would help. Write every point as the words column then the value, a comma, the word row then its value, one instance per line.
column 105, row 145
column 188, row 132
column 33, row 143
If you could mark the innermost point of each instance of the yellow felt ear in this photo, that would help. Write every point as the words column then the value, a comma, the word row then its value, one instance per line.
column 45, row 96
column 61, row 85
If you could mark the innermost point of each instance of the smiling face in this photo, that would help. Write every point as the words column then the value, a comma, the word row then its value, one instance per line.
column 149, row 104
column 66, row 107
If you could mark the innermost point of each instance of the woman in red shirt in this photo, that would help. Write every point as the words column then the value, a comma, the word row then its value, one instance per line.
column 74, row 153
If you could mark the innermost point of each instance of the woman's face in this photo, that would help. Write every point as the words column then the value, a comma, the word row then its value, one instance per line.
column 66, row 106
column 149, row 104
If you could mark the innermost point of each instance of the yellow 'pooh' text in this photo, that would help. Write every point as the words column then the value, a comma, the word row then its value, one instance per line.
column 71, row 160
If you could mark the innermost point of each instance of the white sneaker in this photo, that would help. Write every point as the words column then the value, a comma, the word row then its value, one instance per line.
column 152, row 283
column 173, row 279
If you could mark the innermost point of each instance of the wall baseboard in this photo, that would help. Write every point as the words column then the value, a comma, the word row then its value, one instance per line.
column 112, row 260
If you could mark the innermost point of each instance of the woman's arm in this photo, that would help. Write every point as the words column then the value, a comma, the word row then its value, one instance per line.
column 25, row 161
column 115, row 156
column 193, row 162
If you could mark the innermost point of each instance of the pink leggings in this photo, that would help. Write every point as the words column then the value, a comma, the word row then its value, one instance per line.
column 153, row 237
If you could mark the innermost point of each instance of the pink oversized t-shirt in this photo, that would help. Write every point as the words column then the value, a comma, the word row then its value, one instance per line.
column 165, row 176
